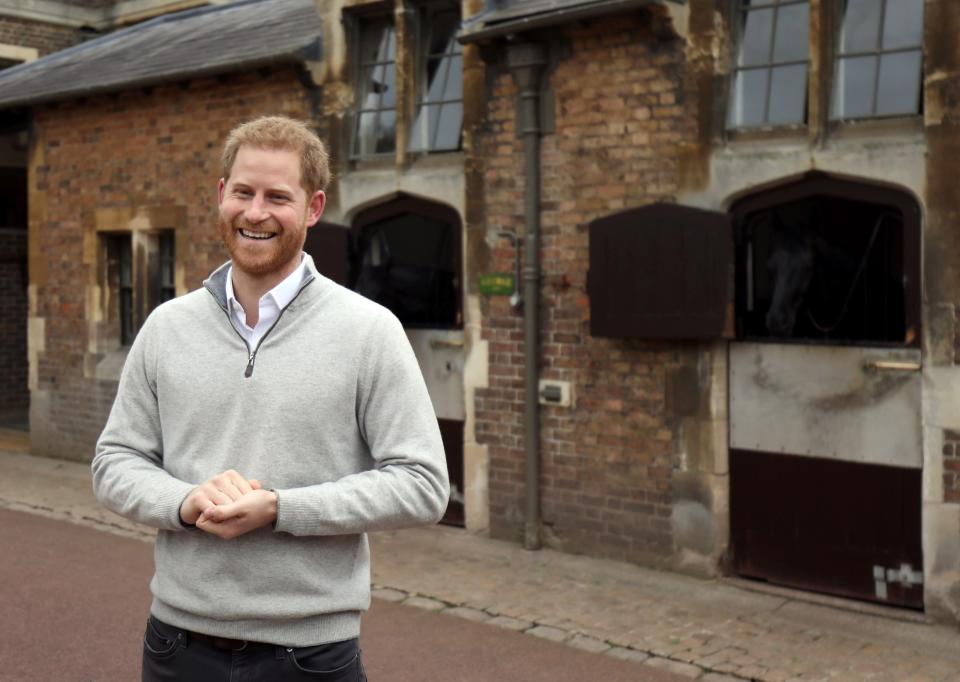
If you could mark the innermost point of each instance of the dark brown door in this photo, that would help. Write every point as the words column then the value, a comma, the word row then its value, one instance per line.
column 844, row 528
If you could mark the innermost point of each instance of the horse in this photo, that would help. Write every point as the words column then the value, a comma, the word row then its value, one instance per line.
column 818, row 278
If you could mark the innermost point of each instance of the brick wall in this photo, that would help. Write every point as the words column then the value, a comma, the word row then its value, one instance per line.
column 607, row 463
column 44, row 37
column 14, row 395
column 154, row 147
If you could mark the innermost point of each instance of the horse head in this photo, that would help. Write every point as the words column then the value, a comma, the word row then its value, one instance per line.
column 791, row 264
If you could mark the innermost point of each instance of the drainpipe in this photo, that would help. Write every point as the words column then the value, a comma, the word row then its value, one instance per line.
column 527, row 61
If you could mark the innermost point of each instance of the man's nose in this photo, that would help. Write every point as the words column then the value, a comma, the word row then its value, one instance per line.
column 256, row 211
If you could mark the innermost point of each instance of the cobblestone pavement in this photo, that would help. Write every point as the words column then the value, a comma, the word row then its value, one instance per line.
column 703, row 629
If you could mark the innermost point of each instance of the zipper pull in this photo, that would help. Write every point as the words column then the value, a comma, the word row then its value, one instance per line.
column 249, row 370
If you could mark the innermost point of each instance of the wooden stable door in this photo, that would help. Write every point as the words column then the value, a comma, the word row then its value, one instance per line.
column 825, row 389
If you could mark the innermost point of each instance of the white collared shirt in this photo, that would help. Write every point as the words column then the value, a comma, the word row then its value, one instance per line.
column 271, row 303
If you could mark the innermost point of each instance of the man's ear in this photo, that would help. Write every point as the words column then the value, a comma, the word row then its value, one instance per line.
column 315, row 207
column 220, row 187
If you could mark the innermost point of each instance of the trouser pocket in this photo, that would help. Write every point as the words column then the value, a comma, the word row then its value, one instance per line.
column 334, row 662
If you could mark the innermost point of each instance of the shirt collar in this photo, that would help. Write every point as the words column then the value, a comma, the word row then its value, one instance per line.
column 281, row 294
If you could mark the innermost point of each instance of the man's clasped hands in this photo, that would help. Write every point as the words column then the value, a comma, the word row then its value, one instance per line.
column 229, row 505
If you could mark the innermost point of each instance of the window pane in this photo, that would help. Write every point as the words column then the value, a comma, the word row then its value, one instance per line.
column 387, row 48
column 386, row 132
column 436, row 73
column 861, row 26
column 126, row 262
column 755, row 38
column 899, row 88
column 373, row 86
column 455, row 79
column 388, row 99
column 788, row 94
column 903, row 24
column 366, row 130
column 376, row 39
column 443, row 27
column 853, row 87
column 793, row 28
column 421, row 132
column 749, row 97
column 448, row 128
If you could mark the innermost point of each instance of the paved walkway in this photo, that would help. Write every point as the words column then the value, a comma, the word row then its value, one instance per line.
column 708, row 630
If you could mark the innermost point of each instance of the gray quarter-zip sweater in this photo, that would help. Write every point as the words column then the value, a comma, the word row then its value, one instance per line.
column 330, row 410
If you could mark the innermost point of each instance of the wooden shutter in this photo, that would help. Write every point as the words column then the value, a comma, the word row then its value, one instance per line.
column 661, row 271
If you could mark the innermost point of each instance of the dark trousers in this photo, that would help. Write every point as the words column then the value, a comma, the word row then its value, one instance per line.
column 170, row 653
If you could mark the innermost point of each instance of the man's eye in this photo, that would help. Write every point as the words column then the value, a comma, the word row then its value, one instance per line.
column 279, row 198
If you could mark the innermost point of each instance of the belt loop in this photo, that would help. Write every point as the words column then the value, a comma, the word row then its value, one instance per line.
column 281, row 652
column 184, row 638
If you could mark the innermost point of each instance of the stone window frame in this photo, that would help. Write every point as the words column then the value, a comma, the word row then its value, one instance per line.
column 157, row 237
column 136, row 275
column 422, row 98
column 16, row 54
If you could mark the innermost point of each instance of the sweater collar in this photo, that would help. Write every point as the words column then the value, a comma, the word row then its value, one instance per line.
column 216, row 283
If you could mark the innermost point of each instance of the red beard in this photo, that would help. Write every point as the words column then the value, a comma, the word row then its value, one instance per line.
column 260, row 258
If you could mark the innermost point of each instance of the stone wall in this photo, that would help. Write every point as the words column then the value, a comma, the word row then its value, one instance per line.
column 140, row 159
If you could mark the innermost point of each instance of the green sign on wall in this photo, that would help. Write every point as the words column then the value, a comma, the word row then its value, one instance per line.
column 496, row 284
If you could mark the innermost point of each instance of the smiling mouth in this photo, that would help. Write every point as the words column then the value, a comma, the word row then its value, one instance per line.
column 253, row 234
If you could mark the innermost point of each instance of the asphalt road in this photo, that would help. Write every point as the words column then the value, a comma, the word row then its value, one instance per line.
column 73, row 603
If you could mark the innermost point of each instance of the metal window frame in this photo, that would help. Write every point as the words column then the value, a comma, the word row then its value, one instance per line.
column 740, row 9
column 453, row 47
column 358, row 29
column 878, row 53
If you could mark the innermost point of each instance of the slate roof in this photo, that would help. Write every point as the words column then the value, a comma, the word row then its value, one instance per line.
column 514, row 16
column 206, row 41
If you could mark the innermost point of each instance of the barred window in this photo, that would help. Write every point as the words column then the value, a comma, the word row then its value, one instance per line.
column 769, row 84
column 879, row 63
column 137, row 276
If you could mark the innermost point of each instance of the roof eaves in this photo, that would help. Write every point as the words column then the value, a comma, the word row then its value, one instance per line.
column 482, row 30
column 153, row 79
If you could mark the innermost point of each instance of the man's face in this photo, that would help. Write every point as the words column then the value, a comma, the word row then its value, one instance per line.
column 265, row 212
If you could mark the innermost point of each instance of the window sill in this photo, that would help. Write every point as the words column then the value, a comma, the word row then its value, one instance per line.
column 792, row 133
column 855, row 129
column 376, row 162
column 429, row 160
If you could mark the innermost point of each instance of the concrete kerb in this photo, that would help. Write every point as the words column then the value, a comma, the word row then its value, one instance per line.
column 554, row 633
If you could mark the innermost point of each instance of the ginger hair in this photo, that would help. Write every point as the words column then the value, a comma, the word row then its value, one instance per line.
column 281, row 132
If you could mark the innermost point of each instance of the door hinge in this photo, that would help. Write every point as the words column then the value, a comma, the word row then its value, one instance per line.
column 905, row 576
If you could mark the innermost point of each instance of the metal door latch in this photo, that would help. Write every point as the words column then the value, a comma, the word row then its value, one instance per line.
column 874, row 366
column 905, row 575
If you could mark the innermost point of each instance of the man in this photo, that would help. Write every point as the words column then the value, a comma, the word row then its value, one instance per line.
column 263, row 424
